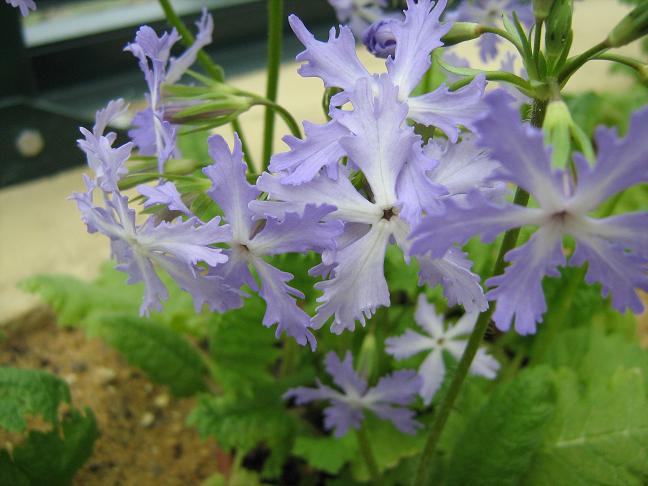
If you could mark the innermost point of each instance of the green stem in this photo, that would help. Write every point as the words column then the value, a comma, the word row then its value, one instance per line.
column 285, row 115
column 576, row 62
column 443, row 412
column 275, row 34
column 507, row 77
column 367, row 455
column 214, row 70
column 502, row 33
column 618, row 58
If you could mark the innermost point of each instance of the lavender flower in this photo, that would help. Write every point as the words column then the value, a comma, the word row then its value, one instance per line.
column 177, row 248
column 337, row 64
column 358, row 14
column 489, row 12
column 439, row 337
column 251, row 240
column 616, row 248
column 380, row 39
column 24, row 5
column 152, row 133
column 387, row 399
column 390, row 157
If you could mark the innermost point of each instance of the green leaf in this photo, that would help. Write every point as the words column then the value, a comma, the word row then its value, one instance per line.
column 29, row 393
column 242, row 349
column 388, row 444
column 498, row 443
column 599, row 437
column 328, row 454
column 74, row 300
column 164, row 355
column 51, row 458
column 237, row 477
column 594, row 354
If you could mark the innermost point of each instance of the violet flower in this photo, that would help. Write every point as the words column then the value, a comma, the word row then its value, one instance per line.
column 439, row 337
column 24, row 5
column 489, row 13
column 390, row 158
column 616, row 248
column 152, row 133
column 176, row 248
column 251, row 240
column 380, row 39
column 337, row 64
column 388, row 399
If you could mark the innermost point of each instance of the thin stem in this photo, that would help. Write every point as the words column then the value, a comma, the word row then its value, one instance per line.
column 537, row 38
column 618, row 58
column 285, row 115
column 507, row 77
column 214, row 70
column 442, row 414
column 487, row 29
column 275, row 34
column 367, row 454
column 576, row 62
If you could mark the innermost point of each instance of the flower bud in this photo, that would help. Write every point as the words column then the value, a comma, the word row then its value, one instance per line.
column 556, row 128
column 633, row 26
column 559, row 34
column 461, row 32
column 380, row 39
column 368, row 357
column 541, row 8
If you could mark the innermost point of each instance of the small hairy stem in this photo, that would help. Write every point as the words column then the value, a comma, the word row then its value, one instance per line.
column 367, row 455
column 445, row 407
column 275, row 33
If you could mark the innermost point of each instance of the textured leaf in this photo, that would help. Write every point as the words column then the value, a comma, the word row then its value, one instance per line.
column 498, row 443
column 242, row 349
column 74, row 300
column 164, row 355
column 29, row 393
column 594, row 354
column 388, row 444
column 599, row 437
column 328, row 454
column 50, row 458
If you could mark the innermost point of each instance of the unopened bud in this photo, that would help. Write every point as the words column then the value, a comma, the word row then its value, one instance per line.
column 380, row 39
column 632, row 27
column 368, row 357
column 461, row 32
column 541, row 8
column 556, row 128
column 559, row 34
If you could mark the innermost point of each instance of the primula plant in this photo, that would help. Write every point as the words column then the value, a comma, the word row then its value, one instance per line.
column 435, row 286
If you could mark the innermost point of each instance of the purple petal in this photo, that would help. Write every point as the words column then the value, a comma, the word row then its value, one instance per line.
column 432, row 371
column 298, row 233
column 358, row 286
column 402, row 418
column 452, row 272
column 519, row 291
column 341, row 417
column 407, row 345
column 619, row 272
column 334, row 61
column 177, row 67
column 166, row 194
column 621, row 163
column 230, row 188
column 343, row 373
column 320, row 148
column 340, row 193
column 24, row 5
column 416, row 37
column 381, row 142
column 447, row 109
column 281, row 307
column 488, row 46
column 437, row 233
column 416, row 192
column 524, row 159
column 380, row 39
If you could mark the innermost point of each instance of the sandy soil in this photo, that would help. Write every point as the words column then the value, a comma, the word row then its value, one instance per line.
column 143, row 440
